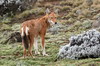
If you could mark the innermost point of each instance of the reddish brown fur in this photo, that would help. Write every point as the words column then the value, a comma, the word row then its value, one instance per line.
column 37, row 27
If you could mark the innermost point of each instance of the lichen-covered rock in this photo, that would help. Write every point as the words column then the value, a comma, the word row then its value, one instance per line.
column 12, row 6
column 85, row 45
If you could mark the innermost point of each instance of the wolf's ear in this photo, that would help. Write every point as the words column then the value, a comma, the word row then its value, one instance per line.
column 56, row 11
column 47, row 11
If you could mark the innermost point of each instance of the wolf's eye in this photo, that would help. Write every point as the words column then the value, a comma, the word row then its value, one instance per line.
column 55, row 17
column 51, row 17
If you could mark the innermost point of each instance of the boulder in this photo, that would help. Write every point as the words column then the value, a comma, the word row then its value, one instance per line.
column 14, row 37
column 81, row 46
column 10, row 7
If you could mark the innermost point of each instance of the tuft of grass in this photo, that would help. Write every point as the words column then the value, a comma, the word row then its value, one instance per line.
column 48, row 5
column 5, row 27
column 65, row 8
column 76, row 26
column 80, row 17
column 70, row 21
column 86, row 13
column 77, row 3
column 6, row 20
column 67, row 3
column 16, row 27
column 69, row 15
column 87, row 24
column 63, row 3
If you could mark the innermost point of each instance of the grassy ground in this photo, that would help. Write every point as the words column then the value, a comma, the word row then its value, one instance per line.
column 10, row 55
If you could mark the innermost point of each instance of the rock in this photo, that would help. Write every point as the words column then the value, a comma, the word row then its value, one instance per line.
column 14, row 37
column 79, row 12
column 97, row 17
column 12, row 6
column 96, row 24
column 85, row 45
column 89, row 2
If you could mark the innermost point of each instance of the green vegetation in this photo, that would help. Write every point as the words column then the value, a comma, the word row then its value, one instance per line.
column 11, row 55
column 36, row 11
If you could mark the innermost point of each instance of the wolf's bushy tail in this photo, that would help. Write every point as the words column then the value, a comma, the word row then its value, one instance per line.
column 25, row 41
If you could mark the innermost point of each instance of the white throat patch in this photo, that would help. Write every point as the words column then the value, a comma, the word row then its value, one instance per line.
column 51, row 22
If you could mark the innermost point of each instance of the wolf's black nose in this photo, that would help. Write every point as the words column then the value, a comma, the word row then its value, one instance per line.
column 55, row 22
